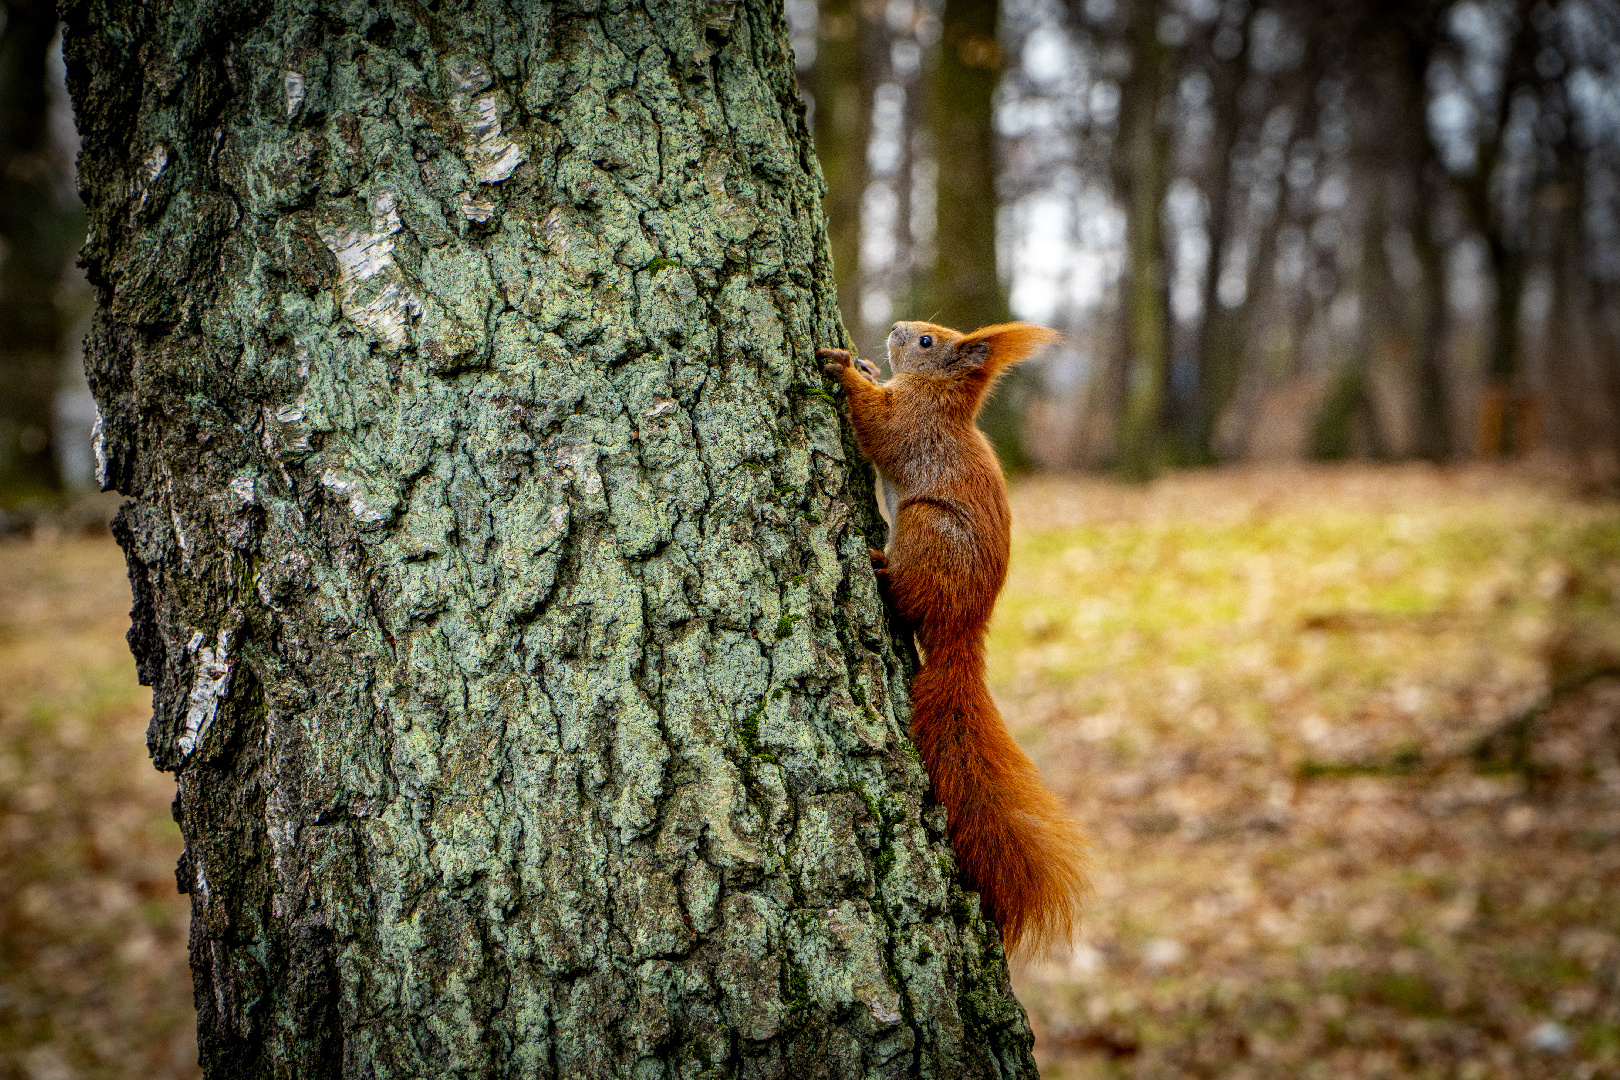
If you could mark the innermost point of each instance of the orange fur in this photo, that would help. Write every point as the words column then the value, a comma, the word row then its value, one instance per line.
column 945, row 566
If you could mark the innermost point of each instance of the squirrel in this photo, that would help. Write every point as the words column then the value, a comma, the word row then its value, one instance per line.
column 945, row 565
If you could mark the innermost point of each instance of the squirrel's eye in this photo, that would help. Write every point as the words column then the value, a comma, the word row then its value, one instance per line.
column 925, row 341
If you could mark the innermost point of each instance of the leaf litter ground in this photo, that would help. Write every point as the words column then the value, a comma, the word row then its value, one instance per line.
column 1347, row 741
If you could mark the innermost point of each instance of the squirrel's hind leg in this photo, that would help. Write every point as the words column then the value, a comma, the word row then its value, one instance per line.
column 880, row 569
column 885, row 584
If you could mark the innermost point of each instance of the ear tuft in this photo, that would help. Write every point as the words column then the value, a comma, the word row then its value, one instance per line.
column 1006, row 343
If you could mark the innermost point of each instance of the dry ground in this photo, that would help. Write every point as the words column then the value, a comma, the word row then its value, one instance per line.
column 1342, row 737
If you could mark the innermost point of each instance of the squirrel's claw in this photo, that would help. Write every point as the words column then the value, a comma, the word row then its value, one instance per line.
column 870, row 369
column 836, row 359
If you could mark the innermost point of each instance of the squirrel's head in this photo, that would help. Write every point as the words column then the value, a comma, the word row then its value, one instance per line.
column 975, row 358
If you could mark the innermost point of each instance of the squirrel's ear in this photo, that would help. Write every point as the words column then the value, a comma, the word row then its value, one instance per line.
column 970, row 354
column 1005, row 343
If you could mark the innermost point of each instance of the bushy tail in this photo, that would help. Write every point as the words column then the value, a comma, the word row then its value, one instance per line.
column 1014, row 842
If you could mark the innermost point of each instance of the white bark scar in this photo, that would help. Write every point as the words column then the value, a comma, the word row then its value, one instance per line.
column 293, row 83
column 581, row 460
column 882, row 1013
column 491, row 156
column 365, row 254
column 556, row 232
column 556, row 522
column 361, row 254
column 174, row 519
column 98, row 440
column 351, row 491
column 208, row 687
column 388, row 312
column 155, row 163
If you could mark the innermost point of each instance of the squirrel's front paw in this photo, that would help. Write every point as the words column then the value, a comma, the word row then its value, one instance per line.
column 870, row 369
column 833, row 360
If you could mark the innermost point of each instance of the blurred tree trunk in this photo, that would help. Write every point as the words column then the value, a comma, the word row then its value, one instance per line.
column 1583, row 401
column 40, row 228
column 1412, row 30
column 1232, row 364
column 1219, row 358
column 1504, row 232
column 1347, row 411
column 500, row 566
column 1232, row 340
column 1143, row 167
column 963, row 287
column 1433, row 418
column 1583, row 411
column 1497, row 432
column 841, row 86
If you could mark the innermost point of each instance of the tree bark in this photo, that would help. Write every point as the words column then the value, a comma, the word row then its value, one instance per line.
column 500, row 562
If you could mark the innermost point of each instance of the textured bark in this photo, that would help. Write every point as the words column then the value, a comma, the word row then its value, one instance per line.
column 499, row 558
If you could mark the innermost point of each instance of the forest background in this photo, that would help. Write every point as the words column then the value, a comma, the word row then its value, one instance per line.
column 1346, row 736
column 1270, row 231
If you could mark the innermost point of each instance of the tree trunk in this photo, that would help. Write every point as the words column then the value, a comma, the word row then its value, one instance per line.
column 963, row 287
column 1144, row 161
column 1411, row 42
column 842, row 83
column 1347, row 410
column 40, row 225
column 1485, row 200
column 1218, row 358
column 500, row 562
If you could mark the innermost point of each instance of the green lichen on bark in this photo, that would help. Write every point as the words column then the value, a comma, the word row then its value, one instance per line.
column 499, row 561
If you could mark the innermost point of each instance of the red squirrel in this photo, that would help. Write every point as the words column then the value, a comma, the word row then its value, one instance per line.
column 946, row 563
